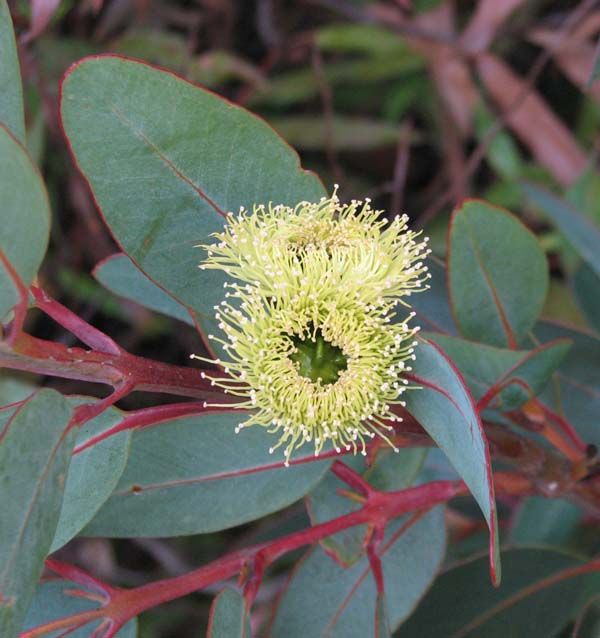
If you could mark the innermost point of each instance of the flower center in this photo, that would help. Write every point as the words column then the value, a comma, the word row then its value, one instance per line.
column 318, row 359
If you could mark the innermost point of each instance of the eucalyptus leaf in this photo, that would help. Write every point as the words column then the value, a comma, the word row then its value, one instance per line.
column 443, row 405
column 325, row 599
column 25, row 218
column 121, row 276
column 462, row 602
column 35, row 450
column 11, row 91
column 228, row 616
column 179, row 159
column 497, row 274
column 195, row 475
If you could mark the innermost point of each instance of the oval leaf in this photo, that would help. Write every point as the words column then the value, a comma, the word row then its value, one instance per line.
column 25, row 218
column 195, row 475
column 93, row 474
column 497, row 274
column 34, row 458
column 179, row 159
column 11, row 90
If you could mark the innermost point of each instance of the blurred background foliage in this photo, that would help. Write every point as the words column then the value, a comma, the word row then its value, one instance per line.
column 414, row 103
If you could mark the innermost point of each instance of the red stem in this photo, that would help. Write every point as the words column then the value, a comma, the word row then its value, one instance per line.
column 20, row 310
column 379, row 508
column 85, row 332
column 46, row 357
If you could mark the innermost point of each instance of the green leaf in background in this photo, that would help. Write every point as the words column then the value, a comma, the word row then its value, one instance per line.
column 581, row 232
column 575, row 389
column 586, row 286
column 315, row 133
column 486, row 366
column 502, row 152
column 53, row 599
column 462, row 602
column 179, row 159
column 445, row 409
column 195, row 475
column 390, row 471
column 228, row 617
column 122, row 277
column 93, row 474
column 25, row 223
column 297, row 86
column 543, row 521
column 11, row 91
column 155, row 46
column 325, row 599
column 497, row 273
column 34, row 459
column 368, row 39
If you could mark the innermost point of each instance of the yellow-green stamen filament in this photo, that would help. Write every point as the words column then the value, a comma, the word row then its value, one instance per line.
column 316, row 348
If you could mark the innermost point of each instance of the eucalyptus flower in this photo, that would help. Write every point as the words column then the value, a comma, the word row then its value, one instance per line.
column 316, row 346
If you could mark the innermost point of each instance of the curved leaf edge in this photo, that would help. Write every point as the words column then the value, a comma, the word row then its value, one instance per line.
column 494, row 547
column 457, row 209
column 179, row 77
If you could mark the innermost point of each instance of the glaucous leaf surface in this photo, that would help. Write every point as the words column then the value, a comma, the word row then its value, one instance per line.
column 543, row 521
column 463, row 602
column 390, row 471
column 523, row 373
column 121, row 276
column 34, row 459
column 11, row 90
column 25, row 218
column 581, row 232
column 195, row 475
column 53, row 600
column 179, row 159
column 497, row 273
column 324, row 599
column 575, row 388
column 444, row 407
column 586, row 284
column 228, row 617
column 93, row 474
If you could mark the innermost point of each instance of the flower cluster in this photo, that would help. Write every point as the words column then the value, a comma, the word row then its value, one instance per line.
column 316, row 349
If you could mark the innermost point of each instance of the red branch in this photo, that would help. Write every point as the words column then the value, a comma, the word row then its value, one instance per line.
column 46, row 357
column 379, row 508
column 85, row 332
column 20, row 310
